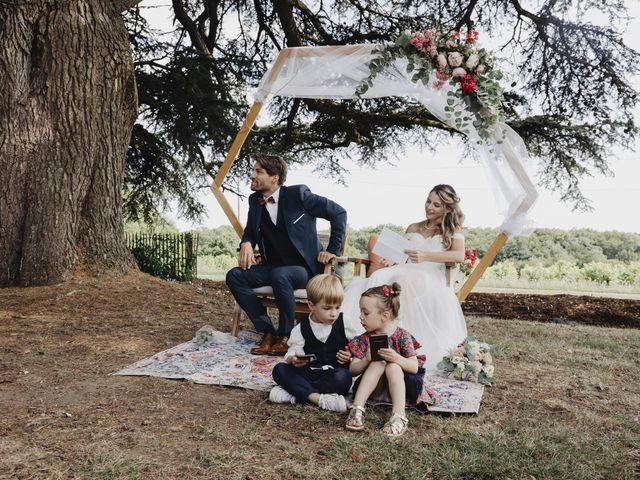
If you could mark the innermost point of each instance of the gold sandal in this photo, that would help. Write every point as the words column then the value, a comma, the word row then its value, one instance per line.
column 355, row 420
column 396, row 426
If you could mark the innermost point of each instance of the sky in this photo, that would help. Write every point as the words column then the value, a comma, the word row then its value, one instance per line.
column 396, row 193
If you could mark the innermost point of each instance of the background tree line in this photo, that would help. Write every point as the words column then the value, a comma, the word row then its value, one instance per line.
column 546, row 253
column 545, row 245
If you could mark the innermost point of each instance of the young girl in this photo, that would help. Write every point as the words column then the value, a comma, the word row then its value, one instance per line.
column 400, row 372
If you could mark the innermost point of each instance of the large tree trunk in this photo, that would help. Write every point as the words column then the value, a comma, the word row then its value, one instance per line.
column 67, row 106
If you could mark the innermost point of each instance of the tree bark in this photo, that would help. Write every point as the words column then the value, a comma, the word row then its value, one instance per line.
column 67, row 106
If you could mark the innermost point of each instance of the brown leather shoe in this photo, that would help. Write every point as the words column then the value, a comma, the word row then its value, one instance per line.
column 280, row 347
column 265, row 345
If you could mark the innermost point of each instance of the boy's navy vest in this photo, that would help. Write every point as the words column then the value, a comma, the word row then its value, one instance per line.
column 325, row 352
column 278, row 247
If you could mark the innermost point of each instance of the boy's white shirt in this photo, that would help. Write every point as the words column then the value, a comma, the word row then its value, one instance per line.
column 321, row 332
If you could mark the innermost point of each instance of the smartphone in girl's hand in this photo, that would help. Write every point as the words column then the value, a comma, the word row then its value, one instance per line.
column 376, row 342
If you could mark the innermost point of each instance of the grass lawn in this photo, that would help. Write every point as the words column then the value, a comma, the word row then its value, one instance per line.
column 566, row 404
column 512, row 284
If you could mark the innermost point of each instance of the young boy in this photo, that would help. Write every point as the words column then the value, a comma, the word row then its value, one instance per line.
column 325, row 378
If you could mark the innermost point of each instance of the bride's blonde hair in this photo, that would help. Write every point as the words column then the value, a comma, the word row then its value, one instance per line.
column 453, row 217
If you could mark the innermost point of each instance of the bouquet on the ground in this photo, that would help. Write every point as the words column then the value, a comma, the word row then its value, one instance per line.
column 203, row 337
column 455, row 59
column 469, row 262
column 471, row 361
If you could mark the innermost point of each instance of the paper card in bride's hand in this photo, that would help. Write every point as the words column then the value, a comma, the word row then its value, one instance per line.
column 391, row 246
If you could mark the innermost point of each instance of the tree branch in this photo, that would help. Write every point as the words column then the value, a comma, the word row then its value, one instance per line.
column 284, row 11
column 264, row 25
column 466, row 18
column 290, row 118
column 190, row 26
column 411, row 117
column 122, row 5
column 211, row 7
column 315, row 21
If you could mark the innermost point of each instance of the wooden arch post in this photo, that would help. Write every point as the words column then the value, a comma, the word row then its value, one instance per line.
column 527, row 201
column 238, row 142
column 486, row 261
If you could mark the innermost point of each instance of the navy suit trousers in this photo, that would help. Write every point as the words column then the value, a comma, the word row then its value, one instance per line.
column 302, row 382
column 283, row 279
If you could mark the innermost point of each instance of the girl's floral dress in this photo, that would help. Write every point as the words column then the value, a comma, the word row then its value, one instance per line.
column 401, row 341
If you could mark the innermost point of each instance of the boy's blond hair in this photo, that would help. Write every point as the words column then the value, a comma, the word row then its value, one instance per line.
column 327, row 288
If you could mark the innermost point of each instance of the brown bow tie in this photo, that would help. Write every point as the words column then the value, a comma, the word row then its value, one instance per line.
column 262, row 200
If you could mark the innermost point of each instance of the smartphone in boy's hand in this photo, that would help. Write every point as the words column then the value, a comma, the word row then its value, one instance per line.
column 376, row 342
column 308, row 357
column 344, row 356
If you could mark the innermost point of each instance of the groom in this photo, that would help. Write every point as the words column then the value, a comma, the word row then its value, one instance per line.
column 282, row 222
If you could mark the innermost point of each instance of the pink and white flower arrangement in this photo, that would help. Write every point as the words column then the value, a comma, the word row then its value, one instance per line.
column 454, row 59
column 471, row 360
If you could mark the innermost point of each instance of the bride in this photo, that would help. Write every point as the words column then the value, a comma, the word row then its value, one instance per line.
column 429, row 308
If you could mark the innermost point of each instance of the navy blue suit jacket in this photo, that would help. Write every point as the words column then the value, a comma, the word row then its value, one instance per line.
column 300, row 209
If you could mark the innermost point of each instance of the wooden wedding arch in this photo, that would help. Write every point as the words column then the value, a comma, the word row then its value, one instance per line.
column 267, row 82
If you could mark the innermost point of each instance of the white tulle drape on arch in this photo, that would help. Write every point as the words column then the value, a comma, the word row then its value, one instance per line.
column 335, row 73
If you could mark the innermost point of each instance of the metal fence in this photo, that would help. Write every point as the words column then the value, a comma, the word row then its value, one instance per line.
column 165, row 255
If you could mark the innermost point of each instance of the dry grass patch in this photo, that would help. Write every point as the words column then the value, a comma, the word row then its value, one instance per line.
column 565, row 404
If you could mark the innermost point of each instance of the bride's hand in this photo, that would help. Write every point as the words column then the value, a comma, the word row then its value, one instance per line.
column 417, row 256
column 387, row 263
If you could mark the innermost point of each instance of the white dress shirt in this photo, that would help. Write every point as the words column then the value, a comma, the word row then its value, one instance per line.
column 272, row 208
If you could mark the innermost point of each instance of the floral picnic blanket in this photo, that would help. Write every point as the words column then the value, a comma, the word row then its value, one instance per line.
column 217, row 358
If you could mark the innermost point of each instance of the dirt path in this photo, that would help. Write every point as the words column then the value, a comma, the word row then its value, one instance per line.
column 557, row 308
column 524, row 291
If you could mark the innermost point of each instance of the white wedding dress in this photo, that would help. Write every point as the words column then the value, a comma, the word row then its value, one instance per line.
column 429, row 309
